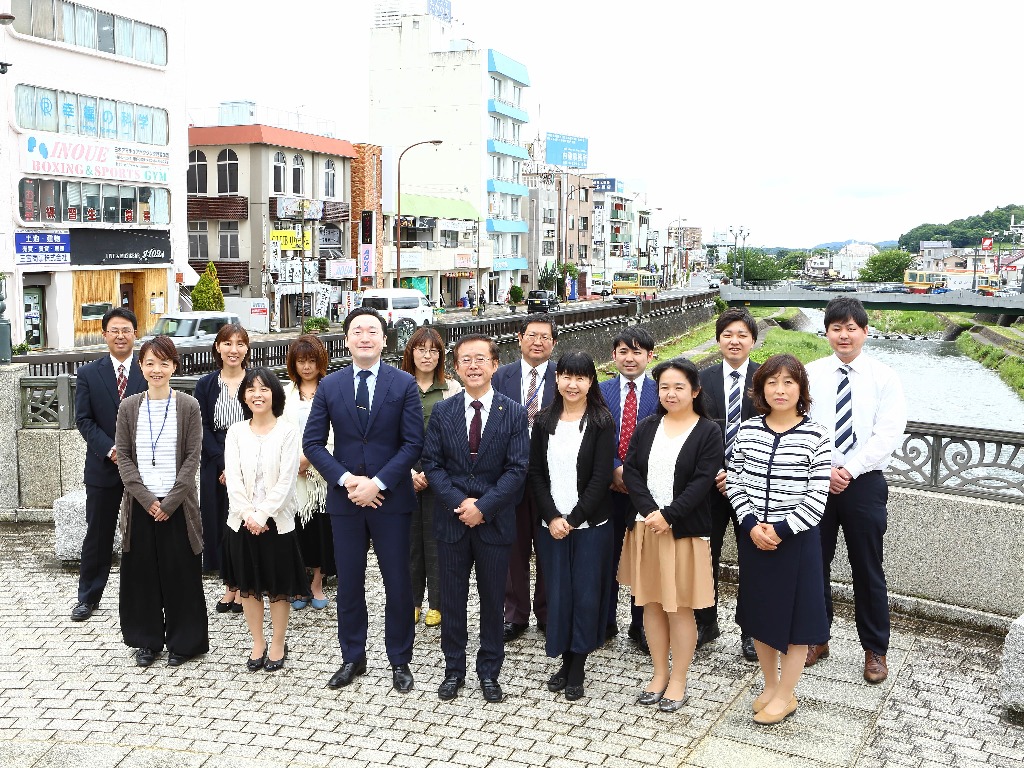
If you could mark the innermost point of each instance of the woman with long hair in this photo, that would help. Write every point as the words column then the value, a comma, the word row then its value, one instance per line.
column 261, row 463
column 670, row 469
column 778, row 483
column 424, row 358
column 570, row 474
column 217, row 394
column 307, row 364
column 159, row 440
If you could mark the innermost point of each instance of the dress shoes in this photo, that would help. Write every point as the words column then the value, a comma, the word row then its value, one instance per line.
column 401, row 678
column 558, row 681
column 349, row 671
column 815, row 653
column 177, row 659
column 83, row 611
column 747, row 647
column 273, row 665
column 875, row 668
column 319, row 604
column 224, row 607
column 236, row 607
column 611, row 630
column 668, row 705
column 706, row 633
column 763, row 718
column 637, row 635
column 255, row 665
column 649, row 698
column 512, row 630
column 433, row 618
column 573, row 692
column 144, row 657
column 449, row 689
column 491, row 689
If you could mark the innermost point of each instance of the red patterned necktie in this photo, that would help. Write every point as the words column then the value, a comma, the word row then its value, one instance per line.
column 628, row 421
column 475, row 429
column 122, row 381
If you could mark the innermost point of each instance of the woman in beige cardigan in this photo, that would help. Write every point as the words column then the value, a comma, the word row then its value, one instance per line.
column 159, row 439
column 261, row 462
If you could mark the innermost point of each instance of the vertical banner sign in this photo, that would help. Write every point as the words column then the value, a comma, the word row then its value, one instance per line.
column 366, row 260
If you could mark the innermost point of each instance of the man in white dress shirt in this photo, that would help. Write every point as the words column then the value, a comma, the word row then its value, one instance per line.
column 861, row 401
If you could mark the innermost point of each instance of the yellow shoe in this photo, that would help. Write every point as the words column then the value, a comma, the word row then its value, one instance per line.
column 433, row 618
column 415, row 615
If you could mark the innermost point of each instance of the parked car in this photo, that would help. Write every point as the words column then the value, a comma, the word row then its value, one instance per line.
column 602, row 287
column 186, row 328
column 806, row 286
column 398, row 303
column 840, row 288
column 892, row 289
column 1005, row 293
column 541, row 301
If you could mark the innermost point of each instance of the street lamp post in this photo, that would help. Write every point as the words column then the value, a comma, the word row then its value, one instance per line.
column 738, row 233
column 398, row 215
column 679, row 241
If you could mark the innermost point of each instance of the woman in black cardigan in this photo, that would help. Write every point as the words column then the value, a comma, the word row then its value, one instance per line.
column 574, row 437
column 670, row 470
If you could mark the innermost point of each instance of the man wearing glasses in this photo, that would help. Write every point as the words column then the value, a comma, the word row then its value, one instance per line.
column 531, row 383
column 475, row 457
column 99, row 389
column 377, row 419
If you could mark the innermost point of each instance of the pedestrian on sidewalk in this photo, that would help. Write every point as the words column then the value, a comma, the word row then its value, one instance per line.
column 159, row 441
column 778, row 482
column 471, row 295
column 261, row 463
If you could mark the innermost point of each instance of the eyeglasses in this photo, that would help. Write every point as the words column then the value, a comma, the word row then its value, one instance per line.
column 537, row 337
column 428, row 351
column 121, row 331
column 479, row 360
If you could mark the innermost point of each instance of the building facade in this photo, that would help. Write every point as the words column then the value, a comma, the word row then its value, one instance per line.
column 424, row 86
column 93, row 166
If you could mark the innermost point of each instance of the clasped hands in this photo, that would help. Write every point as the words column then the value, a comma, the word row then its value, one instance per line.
column 157, row 513
column 657, row 522
column 469, row 513
column 764, row 537
column 255, row 528
column 559, row 528
column 419, row 481
column 363, row 492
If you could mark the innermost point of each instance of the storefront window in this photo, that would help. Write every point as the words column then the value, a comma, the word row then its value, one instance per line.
column 53, row 201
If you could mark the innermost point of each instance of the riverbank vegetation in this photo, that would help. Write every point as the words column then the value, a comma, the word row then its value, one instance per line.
column 805, row 347
column 1009, row 367
column 899, row 321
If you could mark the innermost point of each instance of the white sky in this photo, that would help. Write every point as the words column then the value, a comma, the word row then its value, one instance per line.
column 803, row 121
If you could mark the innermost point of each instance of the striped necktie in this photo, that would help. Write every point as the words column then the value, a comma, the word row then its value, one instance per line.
column 122, row 382
column 733, row 413
column 532, row 401
column 845, row 437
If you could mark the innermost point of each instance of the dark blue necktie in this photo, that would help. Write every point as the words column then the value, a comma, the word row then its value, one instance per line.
column 363, row 400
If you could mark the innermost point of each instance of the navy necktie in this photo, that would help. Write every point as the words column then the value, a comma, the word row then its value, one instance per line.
column 363, row 400
column 475, row 429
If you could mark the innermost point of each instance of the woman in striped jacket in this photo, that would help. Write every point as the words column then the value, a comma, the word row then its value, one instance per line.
column 778, row 480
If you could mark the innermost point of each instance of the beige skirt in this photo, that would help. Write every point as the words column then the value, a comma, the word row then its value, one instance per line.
column 676, row 573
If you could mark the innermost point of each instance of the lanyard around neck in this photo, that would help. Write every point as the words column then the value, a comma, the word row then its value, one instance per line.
column 152, row 441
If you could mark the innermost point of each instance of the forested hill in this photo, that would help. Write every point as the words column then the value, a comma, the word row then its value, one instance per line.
column 965, row 233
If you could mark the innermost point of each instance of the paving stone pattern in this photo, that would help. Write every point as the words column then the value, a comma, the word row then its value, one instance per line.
column 70, row 695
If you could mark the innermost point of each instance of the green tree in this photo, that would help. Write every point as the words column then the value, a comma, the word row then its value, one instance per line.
column 712, row 254
column 760, row 266
column 886, row 267
column 207, row 295
column 547, row 277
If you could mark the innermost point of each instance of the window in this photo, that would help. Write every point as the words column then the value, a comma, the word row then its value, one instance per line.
column 449, row 238
column 86, row 202
column 329, row 178
column 227, row 172
column 570, row 252
column 584, row 194
column 515, row 132
column 228, row 240
column 583, row 253
column 198, row 240
column 495, row 127
column 85, row 27
column 515, row 245
column 297, row 168
column 280, row 171
column 515, row 207
column 495, row 87
column 584, row 223
column 495, row 167
column 549, row 215
column 515, row 170
column 517, row 95
column 547, row 248
column 45, row 109
column 129, row 213
column 572, row 222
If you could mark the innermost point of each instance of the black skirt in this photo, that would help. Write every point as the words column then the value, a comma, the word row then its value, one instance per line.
column 781, row 597
column 268, row 565
column 316, row 542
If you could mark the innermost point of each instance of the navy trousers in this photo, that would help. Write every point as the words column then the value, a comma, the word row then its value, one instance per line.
column 390, row 536
column 455, row 564
column 102, row 506
column 860, row 511
column 721, row 515
column 622, row 510
column 517, row 586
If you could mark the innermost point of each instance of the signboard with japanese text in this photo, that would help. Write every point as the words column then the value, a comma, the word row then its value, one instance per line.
column 292, row 269
column 604, row 185
column 340, row 269
column 104, row 247
column 566, row 151
column 456, row 225
column 986, row 243
column 289, row 241
column 52, row 246
column 57, row 154
column 464, row 260
column 299, row 208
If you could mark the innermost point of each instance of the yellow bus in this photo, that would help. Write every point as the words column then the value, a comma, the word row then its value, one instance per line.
column 921, row 281
column 634, row 282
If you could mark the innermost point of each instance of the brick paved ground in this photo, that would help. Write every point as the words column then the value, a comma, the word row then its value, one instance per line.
column 70, row 695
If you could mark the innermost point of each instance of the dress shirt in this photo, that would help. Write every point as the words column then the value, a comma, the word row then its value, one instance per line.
column 879, row 410
column 127, row 372
column 541, row 370
column 485, row 401
column 624, row 392
column 371, row 380
column 727, row 370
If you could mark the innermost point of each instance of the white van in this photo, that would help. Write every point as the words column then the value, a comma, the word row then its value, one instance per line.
column 185, row 328
column 602, row 287
column 397, row 303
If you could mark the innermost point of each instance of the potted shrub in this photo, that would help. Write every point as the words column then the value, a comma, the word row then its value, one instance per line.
column 515, row 296
column 315, row 325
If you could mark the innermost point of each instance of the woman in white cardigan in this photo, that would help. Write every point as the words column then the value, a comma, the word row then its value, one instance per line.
column 261, row 462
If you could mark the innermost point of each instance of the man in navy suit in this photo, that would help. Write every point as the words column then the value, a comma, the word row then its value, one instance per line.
column 475, row 457
column 100, row 387
column 631, row 396
column 377, row 418
column 727, row 386
column 531, row 383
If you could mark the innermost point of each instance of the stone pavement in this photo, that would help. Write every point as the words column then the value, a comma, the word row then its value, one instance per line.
column 70, row 695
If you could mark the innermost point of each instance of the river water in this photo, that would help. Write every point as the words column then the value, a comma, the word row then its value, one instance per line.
column 943, row 385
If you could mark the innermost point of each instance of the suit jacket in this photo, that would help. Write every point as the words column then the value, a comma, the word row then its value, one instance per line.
column 96, row 404
column 508, row 380
column 647, row 406
column 495, row 479
column 698, row 462
column 593, row 475
column 207, row 391
column 388, row 450
column 713, row 386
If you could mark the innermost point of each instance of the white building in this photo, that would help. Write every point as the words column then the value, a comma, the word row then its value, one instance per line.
column 425, row 85
column 95, row 148
column 851, row 258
